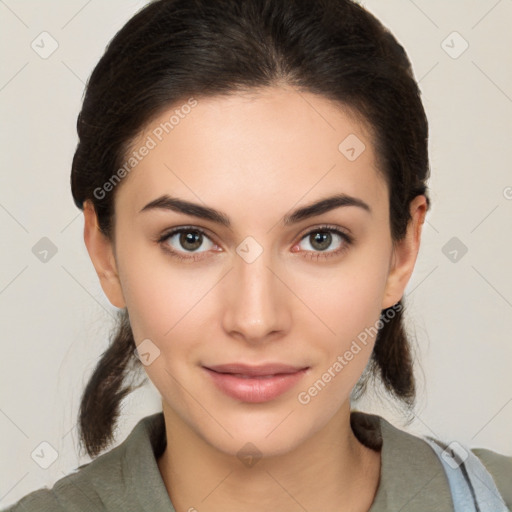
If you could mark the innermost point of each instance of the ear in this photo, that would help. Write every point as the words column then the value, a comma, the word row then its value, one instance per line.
column 101, row 252
column 404, row 254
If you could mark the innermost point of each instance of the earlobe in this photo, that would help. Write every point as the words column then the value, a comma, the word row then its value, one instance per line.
column 404, row 255
column 101, row 252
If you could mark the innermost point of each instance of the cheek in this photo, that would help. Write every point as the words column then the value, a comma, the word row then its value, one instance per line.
column 164, row 304
column 351, row 308
column 348, row 299
column 170, row 304
column 155, row 291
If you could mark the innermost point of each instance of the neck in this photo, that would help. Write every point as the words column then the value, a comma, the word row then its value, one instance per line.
column 329, row 468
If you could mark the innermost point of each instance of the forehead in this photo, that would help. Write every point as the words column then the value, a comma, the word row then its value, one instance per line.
column 274, row 146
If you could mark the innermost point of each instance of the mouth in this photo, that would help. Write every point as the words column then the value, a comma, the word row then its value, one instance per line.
column 255, row 384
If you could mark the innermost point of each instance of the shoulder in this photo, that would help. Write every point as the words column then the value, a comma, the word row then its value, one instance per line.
column 41, row 501
column 78, row 491
column 109, row 482
column 412, row 477
column 412, row 474
column 73, row 493
column 500, row 467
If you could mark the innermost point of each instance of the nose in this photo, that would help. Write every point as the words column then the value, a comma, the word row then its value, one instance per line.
column 256, row 300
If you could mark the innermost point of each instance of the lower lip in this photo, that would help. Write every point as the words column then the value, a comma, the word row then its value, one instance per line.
column 255, row 389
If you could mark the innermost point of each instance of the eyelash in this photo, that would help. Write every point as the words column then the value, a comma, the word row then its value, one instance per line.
column 348, row 240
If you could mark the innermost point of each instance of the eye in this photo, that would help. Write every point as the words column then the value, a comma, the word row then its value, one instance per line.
column 188, row 239
column 185, row 240
column 320, row 239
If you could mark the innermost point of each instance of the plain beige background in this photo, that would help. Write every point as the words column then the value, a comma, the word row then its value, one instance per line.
column 55, row 318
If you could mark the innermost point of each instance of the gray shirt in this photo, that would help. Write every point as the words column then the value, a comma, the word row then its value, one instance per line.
column 127, row 477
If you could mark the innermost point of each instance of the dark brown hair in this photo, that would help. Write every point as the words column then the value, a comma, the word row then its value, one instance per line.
column 172, row 50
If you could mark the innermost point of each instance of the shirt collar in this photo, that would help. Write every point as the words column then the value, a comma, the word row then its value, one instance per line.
column 411, row 477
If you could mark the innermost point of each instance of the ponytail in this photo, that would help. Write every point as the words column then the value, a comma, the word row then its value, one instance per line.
column 392, row 360
column 102, row 397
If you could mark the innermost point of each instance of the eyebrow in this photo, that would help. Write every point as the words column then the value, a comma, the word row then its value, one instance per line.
column 327, row 204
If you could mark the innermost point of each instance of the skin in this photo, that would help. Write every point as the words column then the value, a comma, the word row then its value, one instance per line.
column 257, row 157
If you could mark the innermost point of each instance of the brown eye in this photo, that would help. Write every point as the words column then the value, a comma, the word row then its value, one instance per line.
column 185, row 240
column 323, row 238
column 190, row 240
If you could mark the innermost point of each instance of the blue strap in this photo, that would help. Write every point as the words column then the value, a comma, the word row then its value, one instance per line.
column 472, row 487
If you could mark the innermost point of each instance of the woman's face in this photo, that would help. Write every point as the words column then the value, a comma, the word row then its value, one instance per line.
column 267, row 285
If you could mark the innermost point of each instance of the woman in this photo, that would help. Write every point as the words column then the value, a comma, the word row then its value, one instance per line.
column 253, row 176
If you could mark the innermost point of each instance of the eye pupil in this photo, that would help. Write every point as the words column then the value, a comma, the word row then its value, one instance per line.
column 188, row 238
column 323, row 238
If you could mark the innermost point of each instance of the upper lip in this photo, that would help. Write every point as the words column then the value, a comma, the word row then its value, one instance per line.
column 264, row 369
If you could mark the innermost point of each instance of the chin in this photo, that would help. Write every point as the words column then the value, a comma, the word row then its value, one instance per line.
column 266, row 437
column 249, row 446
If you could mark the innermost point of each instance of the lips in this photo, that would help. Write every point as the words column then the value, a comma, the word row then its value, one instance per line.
column 255, row 383
column 243, row 370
